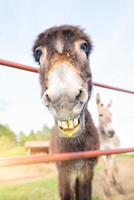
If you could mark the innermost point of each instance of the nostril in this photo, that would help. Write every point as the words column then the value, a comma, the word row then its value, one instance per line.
column 47, row 99
column 82, row 95
column 111, row 133
column 78, row 96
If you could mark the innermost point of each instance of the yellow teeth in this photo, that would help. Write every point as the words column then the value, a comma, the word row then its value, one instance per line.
column 69, row 124
column 59, row 124
column 64, row 124
column 75, row 122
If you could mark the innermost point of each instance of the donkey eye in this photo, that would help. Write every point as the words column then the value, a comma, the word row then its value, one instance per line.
column 85, row 47
column 37, row 54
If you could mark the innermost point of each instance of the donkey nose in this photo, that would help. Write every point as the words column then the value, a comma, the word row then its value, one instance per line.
column 111, row 133
column 79, row 95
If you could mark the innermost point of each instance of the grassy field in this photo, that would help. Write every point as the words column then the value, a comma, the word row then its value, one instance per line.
column 37, row 190
column 13, row 151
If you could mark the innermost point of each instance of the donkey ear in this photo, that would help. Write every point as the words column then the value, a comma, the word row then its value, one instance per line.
column 97, row 98
column 109, row 104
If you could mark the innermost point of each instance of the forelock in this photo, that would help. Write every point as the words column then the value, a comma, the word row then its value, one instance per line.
column 67, row 32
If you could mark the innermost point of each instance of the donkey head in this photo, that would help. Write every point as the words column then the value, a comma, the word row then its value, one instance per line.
column 105, row 117
column 65, row 76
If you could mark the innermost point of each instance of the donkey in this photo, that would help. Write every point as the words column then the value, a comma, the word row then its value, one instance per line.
column 66, row 83
column 108, row 140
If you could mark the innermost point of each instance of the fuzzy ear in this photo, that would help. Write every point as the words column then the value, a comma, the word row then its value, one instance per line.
column 109, row 104
column 97, row 99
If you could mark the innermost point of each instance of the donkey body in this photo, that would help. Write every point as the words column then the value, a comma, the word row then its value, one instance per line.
column 66, row 83
column 75, row 177
column 108, row 140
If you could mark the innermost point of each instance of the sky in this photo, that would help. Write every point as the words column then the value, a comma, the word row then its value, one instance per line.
column 110, row 25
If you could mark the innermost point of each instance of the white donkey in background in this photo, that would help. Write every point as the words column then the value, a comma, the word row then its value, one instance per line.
column 108, row 140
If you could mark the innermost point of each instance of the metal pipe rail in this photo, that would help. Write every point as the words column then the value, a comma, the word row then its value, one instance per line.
column 18, row 66
column 27, row 160
column 36, row 70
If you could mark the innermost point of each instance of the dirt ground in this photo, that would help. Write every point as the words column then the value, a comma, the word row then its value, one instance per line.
column 126, row 171
column 24, row 174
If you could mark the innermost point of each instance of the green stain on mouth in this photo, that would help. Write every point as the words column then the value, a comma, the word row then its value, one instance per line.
column 70, row 114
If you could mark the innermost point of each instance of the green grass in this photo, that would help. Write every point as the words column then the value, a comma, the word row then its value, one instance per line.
column 127, row 155
column 38, row 190
column 14, row 151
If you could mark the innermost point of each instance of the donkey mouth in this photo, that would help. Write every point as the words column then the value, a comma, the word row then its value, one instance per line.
column 69, row 127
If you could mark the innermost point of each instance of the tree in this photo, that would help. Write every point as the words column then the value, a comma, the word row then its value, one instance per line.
column 31, row 136
column 7, row 132
column 22, row 138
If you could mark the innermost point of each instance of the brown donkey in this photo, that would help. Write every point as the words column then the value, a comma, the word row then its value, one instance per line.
column 108, row 140
column 66, row 83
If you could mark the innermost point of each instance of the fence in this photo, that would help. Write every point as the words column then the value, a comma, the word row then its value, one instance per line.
column 62, row 156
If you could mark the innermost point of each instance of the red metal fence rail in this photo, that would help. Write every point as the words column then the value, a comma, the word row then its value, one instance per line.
column 34, row 69
column 25, row 160
column 8, row 63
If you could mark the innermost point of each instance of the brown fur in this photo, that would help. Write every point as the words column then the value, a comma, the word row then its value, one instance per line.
column 88, row 140
column 69, row 34
column 75, row 177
